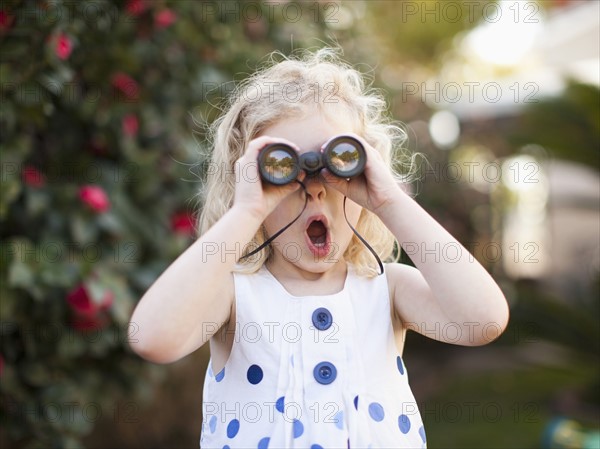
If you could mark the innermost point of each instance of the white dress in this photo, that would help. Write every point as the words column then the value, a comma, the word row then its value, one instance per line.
column 311, row 372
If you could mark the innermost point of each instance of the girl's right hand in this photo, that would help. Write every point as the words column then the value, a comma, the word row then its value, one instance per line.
column 251, row 193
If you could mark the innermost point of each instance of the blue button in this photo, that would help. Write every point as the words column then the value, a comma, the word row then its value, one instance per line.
column 325, row 373
column 321, row 318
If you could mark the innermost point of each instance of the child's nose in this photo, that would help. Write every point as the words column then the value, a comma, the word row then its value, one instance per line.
column 315, row 187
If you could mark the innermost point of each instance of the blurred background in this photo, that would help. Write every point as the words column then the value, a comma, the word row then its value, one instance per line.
column 103, row 116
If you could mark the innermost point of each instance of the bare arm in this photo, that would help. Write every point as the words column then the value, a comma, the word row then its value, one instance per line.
column 449, row 296
column 192, row 299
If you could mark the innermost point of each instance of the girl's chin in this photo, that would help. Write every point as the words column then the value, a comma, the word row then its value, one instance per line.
column 309, row 255
column 316, row 263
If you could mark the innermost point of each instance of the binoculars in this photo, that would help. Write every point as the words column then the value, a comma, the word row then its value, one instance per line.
column 280, row 164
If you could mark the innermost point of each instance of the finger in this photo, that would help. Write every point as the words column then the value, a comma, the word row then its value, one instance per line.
column 339, row 184
column 369, row 149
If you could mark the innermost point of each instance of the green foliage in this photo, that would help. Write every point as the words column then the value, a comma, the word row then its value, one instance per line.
column 409, row 31
column 100, row 101
column 568, row 125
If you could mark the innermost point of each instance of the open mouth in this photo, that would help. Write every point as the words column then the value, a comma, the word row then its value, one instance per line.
column 317, row 234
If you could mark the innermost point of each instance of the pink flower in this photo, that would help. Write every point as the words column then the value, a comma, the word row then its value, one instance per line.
column 87, row 314
column 82, row 304
column 135, row 7
column 182, row 223
column 165, row 18
column 125, row 84
column 94, row 197
column 63, row 46
column 130, row 125
column 6, row 21
column 33, row 177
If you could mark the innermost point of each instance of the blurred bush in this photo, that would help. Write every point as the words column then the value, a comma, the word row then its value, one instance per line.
column 99, row 167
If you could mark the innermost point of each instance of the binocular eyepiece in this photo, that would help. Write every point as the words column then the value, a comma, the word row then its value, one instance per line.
column 280, row 164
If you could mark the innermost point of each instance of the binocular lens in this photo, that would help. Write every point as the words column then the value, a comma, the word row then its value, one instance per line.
column 345, row 158
column 279, row 165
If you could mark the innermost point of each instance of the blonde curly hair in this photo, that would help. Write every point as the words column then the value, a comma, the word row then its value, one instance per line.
column 288, row 88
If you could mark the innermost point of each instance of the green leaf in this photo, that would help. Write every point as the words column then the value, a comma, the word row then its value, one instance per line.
column 20, row 275
column 8, row 303
column 9, row 117
column 10, row 181
column 123, row 304
column 144, row 277
column 22, row 271
column 36, row 373
column 111, row 222
column 84, row 230
column 9, row 191
column 96, row 288
column 52, row 83
column 58, row 274
column 71, row 399
column 8, row 77
column 15, row 50
column 37, row 201
column 71, row 345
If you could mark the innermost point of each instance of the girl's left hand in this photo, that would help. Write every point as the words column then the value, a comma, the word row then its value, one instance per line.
column 374, row 189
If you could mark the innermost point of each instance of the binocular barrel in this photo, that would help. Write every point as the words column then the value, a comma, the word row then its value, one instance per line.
column 280, row 164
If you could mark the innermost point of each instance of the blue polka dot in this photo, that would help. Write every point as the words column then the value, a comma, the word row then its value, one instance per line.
column 226, row 446
column 338, row 419
column 422, row 433
column 356, row 402
column 220, row 375
column 255, row 374
column 316, row 446
column 298, row 428
column 376, row 411
column 232, row 428
column 404, row 423
column 280, row 403
column 399, row 363
column 212, row 423
column 264, row 443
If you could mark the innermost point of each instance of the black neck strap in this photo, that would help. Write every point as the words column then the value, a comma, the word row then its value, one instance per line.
column 278, row 233
column 364, row 241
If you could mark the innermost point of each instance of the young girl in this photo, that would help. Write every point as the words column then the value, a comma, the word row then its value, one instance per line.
column 306, row 338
